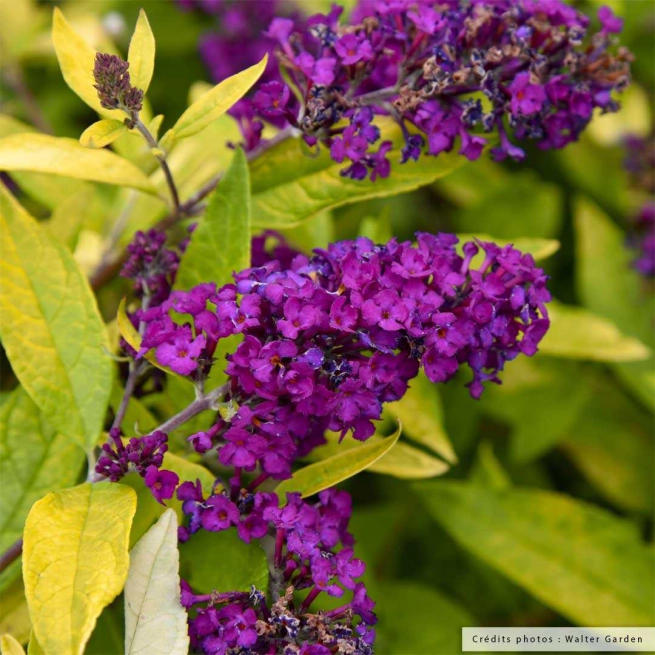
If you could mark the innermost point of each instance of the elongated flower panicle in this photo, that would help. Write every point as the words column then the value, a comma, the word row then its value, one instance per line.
column 446, row 71
column 328, row 340
column 113, row 85
column 306, row 556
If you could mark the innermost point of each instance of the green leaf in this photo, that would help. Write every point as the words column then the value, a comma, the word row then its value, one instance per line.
column 216, row 102
column 9, row 646
column 408, row 463
column 75, row 561
column 76, row 60
column 14, row 617
column 329, row 472
column 220, row 561
column 415, row 619
column 609, row 286
column 52, row 331
column 34, row 459
column 141, row 54
column 576, row 333
column 540, row 399
column 42, row 153
column 421, row 414
column 102, row 133
column 611, row 444
column 289, row 187
column 69, row 216
column 220, row 244
column 155, row 621
column 521, row 206
column 402, row 461
column 585, row 563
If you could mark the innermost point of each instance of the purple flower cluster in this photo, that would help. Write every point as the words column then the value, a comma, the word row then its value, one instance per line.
column 444, row 71
column 143, row 455
column 151, row 266
column 327, row 340
column 306, row 557
column 112, row 81
column 236, row 41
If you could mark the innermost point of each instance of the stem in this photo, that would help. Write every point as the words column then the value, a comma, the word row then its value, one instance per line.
column 152, row 142
column 12, row 553
column 208, row 401
column 16, row 81
column 309, row 599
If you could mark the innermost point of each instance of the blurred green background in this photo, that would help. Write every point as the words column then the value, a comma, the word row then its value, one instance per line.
column 542, row 514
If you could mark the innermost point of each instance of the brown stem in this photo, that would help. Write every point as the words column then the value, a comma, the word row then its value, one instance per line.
column 16, row 81
column 152, row 142
column 12, row 553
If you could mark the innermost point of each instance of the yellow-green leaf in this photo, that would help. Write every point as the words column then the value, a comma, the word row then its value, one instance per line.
column 141, row 54
column 576, row 333
column 217, row 101
column 42, row 153
column 609, row 286
column 328, row 472
column 102, row 133
column 69, row 216
column 34, row 648
column 34, row 459
column 409, row 463
column 9, row 646
column 421, row 414
column 537, row 247
column 51, row 329
column 14, row 617
column 155, row 124
column 75, row 561
column 155, row 621
column 288, row 186
column 587, row 564
column 76, row 60
column 220, row 244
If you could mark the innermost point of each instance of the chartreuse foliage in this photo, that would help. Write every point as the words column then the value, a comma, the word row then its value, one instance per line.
column 220, row 244
column 334, row 469
column 75, row 561
column 610, row 288
column 587, row 564
column 34, row 459
column 501, row 550
column 154, row 619
column 289, row 188
column 51, row 328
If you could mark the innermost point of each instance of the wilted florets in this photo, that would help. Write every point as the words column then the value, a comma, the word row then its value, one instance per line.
column 113, row 85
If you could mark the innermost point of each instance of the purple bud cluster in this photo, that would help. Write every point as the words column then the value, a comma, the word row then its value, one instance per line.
column 306, row 556
column 151, row 266
column 327, row 340
column 143, row 455
column 445, row 71
column 112, row 81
